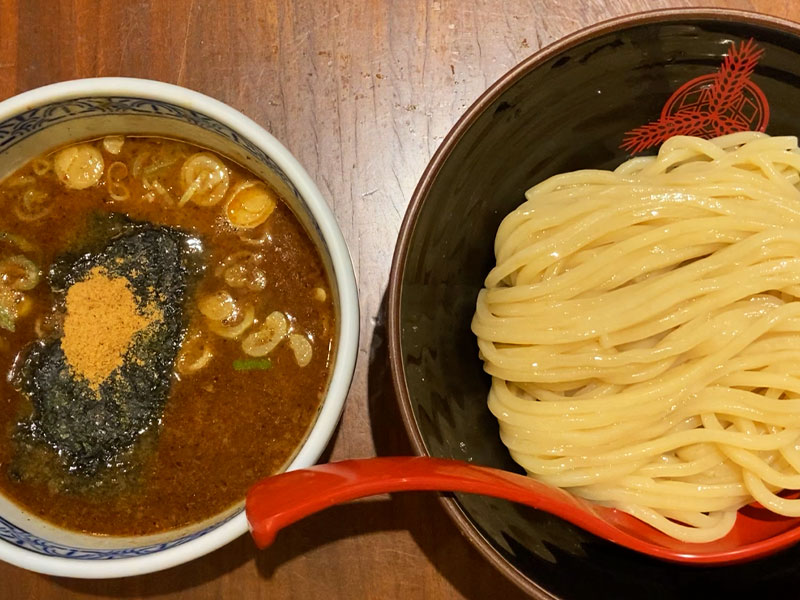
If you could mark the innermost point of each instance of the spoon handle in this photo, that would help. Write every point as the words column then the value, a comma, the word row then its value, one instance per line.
column 280, row 500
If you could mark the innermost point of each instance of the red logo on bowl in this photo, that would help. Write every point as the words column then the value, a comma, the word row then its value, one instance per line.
column 710, row 105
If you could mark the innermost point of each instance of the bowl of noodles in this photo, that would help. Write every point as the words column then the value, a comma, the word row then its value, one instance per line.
column 594, row 284
column 178, row 319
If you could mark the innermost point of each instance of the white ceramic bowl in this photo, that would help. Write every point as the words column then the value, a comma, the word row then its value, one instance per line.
column 42, row 119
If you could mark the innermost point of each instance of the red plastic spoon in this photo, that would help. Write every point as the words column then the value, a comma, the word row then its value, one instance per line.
column 280, row 500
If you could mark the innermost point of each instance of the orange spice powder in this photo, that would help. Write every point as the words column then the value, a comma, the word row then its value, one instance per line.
column 101, row 321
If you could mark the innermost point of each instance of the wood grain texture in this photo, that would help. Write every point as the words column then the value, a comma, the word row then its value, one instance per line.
column 362, row 92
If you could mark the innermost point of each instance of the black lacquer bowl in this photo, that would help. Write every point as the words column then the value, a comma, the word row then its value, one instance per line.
column 567, row 107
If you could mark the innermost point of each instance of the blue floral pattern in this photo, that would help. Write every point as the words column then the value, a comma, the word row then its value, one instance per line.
column 19, row 537
column 25, row 124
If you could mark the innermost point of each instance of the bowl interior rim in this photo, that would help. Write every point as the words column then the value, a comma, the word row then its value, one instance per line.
column 427, row 181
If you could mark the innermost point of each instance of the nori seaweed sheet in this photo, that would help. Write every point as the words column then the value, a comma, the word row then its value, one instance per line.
column 88, row 428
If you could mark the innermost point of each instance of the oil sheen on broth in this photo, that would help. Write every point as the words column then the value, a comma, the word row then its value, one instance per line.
column 166, row 331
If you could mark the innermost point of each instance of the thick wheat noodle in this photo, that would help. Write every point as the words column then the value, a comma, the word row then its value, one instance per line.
column 642, row 330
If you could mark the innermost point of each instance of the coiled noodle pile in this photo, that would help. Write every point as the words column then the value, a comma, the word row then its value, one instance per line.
column 642, row 331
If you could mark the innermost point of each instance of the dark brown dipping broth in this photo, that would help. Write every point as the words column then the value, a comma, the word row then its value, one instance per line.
column 222, row 428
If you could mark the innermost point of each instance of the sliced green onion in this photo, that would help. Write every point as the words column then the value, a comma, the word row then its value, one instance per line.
column 27, row 277
column 8, row 314
column 252, row 364
column 16, row 240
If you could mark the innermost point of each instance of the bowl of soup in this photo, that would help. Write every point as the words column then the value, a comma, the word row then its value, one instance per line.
column 178, row 319
column 502, row 215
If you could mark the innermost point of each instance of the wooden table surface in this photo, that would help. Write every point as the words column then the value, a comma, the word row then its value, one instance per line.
column 362, row 92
